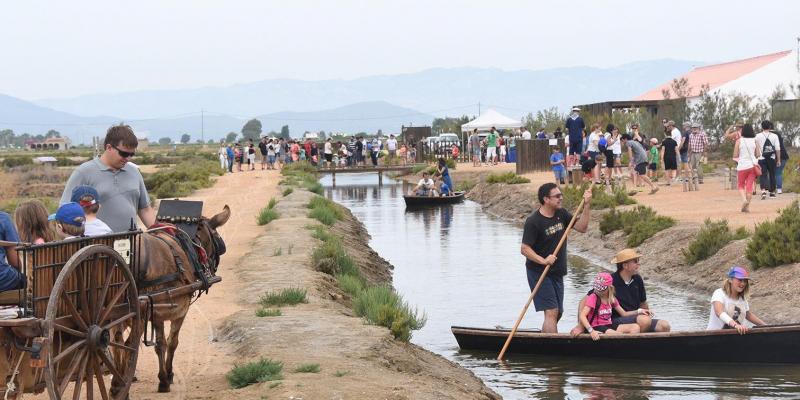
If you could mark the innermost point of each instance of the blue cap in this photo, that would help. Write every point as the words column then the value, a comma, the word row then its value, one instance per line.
column 83, row 190
column 70, row 213
column 738, row 273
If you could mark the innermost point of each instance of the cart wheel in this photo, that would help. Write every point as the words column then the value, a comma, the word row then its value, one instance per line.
column 93, row 326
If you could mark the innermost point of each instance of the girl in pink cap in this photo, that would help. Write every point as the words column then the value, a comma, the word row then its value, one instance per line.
column 596, row 313
column 729, row 307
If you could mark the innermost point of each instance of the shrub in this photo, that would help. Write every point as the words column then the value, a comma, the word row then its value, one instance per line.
column 315, row 187
column 324, row 210
column 600, row 198
column 319, row 232
column 268, row 312
column 431, row 170
column 300, row 166
column 262, row 370
column 465, row 185
column 451, row 164
column 350, row 284
column 340, row 374
column 776, row 242
column 272, row 203
column 287, row 191
column 644, row 230
column 639, row 224
column 330, row 258
column 791, row 176
column 183, row 179
column 380, row 305
column 11, row 162
column 308, row 368
column 508, row 177
column 266, row 215
column 713, row 236
column 284, row 297
column 418, row 168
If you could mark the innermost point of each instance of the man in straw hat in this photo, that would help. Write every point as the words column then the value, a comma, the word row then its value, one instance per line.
column 631, row 295
column 542, row 231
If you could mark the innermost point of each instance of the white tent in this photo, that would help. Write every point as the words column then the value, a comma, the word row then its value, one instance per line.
column 489, row 119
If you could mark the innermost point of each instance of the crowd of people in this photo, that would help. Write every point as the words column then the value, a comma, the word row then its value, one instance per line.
column 617, row 302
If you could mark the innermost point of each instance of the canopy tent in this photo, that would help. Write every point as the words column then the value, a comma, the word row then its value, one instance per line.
column 491, row 118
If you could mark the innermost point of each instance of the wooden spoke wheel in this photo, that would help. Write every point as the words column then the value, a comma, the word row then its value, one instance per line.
column 93, row 327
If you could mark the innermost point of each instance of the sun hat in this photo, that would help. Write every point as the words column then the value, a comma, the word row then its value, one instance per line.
column 625, row 255
column 70, row 213
column 576, row 109
column 738, row 273
column 696, row 125
column 602, row 281
column 84, row 191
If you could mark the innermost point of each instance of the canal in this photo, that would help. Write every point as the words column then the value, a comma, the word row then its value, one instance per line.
column 462, row 267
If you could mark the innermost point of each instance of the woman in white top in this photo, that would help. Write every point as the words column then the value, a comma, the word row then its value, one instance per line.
column 223, row 156
column 593, row 149
column 729, row 307
column 746, row 153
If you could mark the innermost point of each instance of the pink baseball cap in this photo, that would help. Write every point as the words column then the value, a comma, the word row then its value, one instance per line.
column 602, row 281
column 738, row 273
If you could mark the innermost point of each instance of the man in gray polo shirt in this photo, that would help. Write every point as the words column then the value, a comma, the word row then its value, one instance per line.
column 120, row 184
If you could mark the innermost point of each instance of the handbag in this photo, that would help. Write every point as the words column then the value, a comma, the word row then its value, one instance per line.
column 756, row 167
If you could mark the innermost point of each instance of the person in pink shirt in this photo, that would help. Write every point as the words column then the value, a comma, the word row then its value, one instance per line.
column 295, row 150
column 596, row 313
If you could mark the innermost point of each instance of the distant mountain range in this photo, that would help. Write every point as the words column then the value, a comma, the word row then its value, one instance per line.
column 366, row 104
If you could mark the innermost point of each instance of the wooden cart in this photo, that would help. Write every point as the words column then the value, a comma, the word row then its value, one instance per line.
column 79, row 322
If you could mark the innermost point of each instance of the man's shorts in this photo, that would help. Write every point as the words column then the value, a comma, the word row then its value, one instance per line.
column 615, row 322
column 685, row 157
column 560, row 174
column 575, row 148
column 641, row 168
column 550, row 295
column 264, row 159
column 491, row 152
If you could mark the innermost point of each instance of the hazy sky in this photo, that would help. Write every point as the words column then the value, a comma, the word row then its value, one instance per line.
column 69, row 48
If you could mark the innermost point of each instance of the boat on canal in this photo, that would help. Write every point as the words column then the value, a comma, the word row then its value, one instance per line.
column 421, row 201
column 763, row 344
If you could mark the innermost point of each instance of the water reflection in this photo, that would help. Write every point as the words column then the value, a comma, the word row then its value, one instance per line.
column 464, row 268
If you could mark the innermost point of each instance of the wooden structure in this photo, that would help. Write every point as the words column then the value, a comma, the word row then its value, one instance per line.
column 657, row 110
column 426, row 201
column 414, row 134
column 80, row 318
column 361, row 170
column 533, row 155
column 767, row 344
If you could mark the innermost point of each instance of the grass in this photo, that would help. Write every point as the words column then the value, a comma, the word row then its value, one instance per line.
column 266, row 215
column 340, row 374
column 272, row 203
column 380, row 305
column 324, row 210
column 301, row 174
column 277, row 252
column 776, row 242
column 308, row 368
column 183, row 179
column 351, row 284
column 508, row 177
column 284, row 297
column 639, row 224
column 331, row 258
column 263, row 370
column 287, row 191
column 268, row 312
column 713, row 236
column 600, row 198
column 465, row 186
column 418, row 168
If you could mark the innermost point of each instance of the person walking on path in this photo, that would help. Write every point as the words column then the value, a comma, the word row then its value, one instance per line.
column 575, row 127
column 784, row 156
column 698, row 145
column 542, row 231
column 652, row 160
column 669, row 158
column 684, row 149
column 491, row 147
column 391, row 145
column 231, row 155
column 638, row 157
column 120, row 185
column 746, row 154
column 475, row 148
column 223, row 155
column 677, row 136
column 262, row 148
column 770, row 159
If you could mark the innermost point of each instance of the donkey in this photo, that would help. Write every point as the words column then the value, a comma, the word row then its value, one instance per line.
column 163, row 264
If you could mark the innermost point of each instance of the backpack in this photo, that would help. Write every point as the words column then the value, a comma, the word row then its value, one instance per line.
column 685, row 146
column 768, row 151
column 593, row 315
column 602, row 144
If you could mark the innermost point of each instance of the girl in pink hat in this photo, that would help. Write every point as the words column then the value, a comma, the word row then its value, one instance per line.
column 729, row 307
column 596, row 313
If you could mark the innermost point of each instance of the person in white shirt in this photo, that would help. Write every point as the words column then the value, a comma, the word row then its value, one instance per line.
column 425, row 187
column 729, row 306
column 770, row 159
column 593, row 148
column 526, row 134
column 391, row 145
column 328, row 151
column 676, row 135
column 88, row 198
column 223, row 156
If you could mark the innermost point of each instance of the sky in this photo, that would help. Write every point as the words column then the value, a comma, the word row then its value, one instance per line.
column 54, row 49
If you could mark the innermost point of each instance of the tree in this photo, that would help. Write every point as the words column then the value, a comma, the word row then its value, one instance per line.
column 200, row 141
column 231, row 137
column 549, row 119
column 252, row 130
column 449, row 124
column 164, row 141
column 285, row 132
column 210, row 141
column 52, row 133
column 786, row 114
column 185, row 138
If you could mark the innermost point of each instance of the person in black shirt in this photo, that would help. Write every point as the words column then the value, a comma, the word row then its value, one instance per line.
column 262, row 146
column 631, row 295
column 541, row 234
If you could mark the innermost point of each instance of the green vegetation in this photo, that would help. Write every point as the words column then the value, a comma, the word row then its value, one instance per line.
column 308, row 368
column 639, row 224
column 183, row 179
column 16, row 161
column 508, row 177
column 324, row 210
column 284, row 297
column 465, row 186
column 50, row 203
column 451, row 164
column 268, row 312
column 418, row 168
column 340, row 374
column 776, row 242
column 267, row 213
column 713, row 236
column 287, row 191
column 791, row 175
column 277, row 252
column 263, row 370
column 301, row 174
column 600, row 198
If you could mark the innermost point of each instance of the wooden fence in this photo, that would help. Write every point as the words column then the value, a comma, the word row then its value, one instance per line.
column 533, row 155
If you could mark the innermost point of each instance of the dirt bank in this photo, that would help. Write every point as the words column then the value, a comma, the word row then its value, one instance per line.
column 774, row 291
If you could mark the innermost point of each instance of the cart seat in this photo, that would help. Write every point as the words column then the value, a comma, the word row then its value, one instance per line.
column 11, row 297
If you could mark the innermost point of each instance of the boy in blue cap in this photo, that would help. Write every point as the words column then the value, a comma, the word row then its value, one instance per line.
column 70, row 220
column 88, row 198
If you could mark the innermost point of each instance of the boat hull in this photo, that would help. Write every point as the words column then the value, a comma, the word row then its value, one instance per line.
column 423, row 201
column 774, row 344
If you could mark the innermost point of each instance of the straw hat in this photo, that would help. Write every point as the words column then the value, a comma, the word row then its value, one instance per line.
column 625, row 255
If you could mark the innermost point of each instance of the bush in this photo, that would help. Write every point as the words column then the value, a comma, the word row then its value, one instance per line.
column 713, row 236
column 319, row 232
column 644, row 230
column 262, row 370
column 314, row 187
column 791, row 176
column 287, row 191
column 508, row 177
column 10, row 162
column 418, row 168
column 266, row 215
column 183, row 179
column 451, row 164
column 284, row 297
column 380, row 305
column 465, row 185
column 639, row 224
column 600, row 198
column 351, row 284
column 308, row 368
column 268, row 312
column 776, row 242
column 299, row 167
column 324, row 210
column 331, row 258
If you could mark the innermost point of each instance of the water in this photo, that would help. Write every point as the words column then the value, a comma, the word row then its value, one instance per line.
column 462, row 267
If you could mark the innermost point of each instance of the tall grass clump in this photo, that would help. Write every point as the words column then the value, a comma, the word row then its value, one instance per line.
column 263, row 370
column 284, row 297
column 287, row 191
column 380, row 305
column 508, row 177
column 302, row 174
column 324, row 210
column 308, row 368
column 267, row 213
column 183, row 179
column 418, row 168
column 639, row 224
column 713, row 236
column 465, row 186
column 600, row 198
column 776, row 242
column 331, row 258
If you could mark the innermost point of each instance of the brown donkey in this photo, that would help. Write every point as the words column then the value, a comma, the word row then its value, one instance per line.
column 163, row 264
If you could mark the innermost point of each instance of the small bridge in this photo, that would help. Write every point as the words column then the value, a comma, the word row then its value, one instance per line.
column 361, row 170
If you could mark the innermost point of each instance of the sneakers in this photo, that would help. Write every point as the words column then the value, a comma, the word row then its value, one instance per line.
column 772, row 195
column 746, row 207
column 764, row 195
column 780, row 190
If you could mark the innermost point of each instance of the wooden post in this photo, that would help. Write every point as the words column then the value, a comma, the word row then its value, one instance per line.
column 333, row 178
column 380, row 178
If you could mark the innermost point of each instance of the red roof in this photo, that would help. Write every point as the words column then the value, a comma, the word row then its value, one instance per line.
column 715, row 75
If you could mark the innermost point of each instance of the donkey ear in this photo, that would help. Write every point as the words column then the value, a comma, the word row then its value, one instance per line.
column 221, row 218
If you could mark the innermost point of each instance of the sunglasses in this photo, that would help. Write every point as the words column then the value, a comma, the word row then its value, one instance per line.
column 123, row 153
column 557, row 196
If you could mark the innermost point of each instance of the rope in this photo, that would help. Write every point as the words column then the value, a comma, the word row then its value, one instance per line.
column 10, row 386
